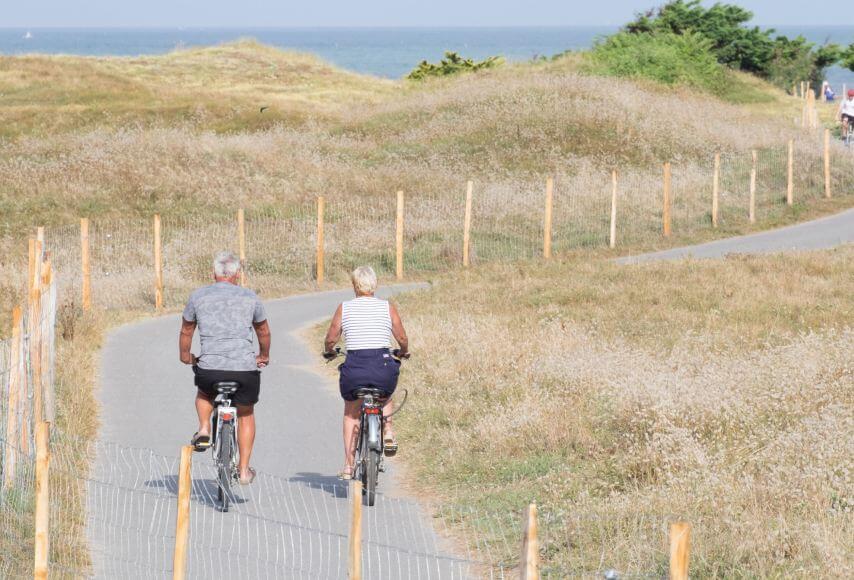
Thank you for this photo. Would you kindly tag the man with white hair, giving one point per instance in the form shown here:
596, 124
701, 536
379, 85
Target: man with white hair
227, 316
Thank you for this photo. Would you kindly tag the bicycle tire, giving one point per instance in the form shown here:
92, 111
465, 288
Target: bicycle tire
224, 461
372, 468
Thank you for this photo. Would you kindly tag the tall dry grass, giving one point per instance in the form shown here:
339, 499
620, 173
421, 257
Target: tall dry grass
183, 133
617, 397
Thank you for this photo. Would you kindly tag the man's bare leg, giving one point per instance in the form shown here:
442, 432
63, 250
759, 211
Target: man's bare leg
204, 408
245, 437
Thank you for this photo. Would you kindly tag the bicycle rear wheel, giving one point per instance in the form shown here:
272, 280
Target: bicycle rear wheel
372, 469
224, 462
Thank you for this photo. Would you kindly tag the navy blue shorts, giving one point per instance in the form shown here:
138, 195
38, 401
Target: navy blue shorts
369, 368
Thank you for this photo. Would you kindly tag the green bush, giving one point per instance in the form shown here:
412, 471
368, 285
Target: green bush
452, 64
777, 58
664, 57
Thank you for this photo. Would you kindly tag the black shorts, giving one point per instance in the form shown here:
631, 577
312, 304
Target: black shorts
246, 394
374, 368
849, 117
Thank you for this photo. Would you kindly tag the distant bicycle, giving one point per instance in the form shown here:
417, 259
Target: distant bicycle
224, 441
848, 138
369, 447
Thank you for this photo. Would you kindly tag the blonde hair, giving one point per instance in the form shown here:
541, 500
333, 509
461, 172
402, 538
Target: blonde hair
364, 280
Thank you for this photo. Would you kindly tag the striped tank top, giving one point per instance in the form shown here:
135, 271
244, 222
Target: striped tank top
366, 323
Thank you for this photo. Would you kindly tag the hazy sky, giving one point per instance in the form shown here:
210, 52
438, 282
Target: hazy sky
244, 13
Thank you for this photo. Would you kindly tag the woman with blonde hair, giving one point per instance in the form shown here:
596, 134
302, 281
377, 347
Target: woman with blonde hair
367, 324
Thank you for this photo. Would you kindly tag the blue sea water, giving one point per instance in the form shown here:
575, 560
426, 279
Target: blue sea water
385, 52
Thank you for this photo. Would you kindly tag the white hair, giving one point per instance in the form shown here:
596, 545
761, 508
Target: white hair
226, 265
364, 280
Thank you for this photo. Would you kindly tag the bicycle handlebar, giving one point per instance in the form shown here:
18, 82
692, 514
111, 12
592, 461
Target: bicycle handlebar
332, 355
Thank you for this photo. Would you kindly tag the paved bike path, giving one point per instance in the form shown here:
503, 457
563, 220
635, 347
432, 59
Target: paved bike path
822, 233
296, 509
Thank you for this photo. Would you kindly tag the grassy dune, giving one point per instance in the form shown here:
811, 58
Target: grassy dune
184, 132
718, 391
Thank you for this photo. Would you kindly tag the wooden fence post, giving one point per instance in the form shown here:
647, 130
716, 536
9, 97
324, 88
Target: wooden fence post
398, 238
241, 243
10, 457
827, 192
48, 345
42, 515
716, 189
790, 174
547, 219
158, 264
665, 214
680, 548
34, 329
182, 523
354, 562
467, 224
86, 297
751, 212
529, 568
319, 260
612, 242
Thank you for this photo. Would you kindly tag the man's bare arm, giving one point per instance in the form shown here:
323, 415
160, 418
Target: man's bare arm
333, 335
398, 331
185, 341
262, 331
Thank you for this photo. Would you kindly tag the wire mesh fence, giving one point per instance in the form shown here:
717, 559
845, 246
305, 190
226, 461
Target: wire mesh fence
281, 247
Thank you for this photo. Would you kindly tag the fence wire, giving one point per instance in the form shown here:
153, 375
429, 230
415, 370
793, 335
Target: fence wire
507, 223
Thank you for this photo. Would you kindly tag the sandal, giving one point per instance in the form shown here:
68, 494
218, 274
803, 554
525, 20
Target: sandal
249, 480
200, 442
390, 445
346, 474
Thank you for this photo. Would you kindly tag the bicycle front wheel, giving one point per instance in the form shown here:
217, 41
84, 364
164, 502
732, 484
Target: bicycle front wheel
224, 462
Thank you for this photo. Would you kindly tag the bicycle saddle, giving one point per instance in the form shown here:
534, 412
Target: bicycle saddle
226, 387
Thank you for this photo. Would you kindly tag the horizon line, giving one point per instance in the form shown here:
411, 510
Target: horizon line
351, 27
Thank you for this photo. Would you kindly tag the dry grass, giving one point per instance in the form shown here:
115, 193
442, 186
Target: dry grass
719, 391
183, 132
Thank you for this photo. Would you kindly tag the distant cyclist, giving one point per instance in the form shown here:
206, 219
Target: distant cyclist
846, 112
228, 318
367, 324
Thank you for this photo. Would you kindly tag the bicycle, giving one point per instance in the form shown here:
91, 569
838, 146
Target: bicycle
224, 440
368, 462
848, 138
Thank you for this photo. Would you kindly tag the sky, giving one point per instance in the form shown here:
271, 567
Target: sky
282, 13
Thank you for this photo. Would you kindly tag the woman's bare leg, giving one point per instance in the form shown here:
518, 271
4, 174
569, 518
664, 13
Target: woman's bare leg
351, 431
388, 409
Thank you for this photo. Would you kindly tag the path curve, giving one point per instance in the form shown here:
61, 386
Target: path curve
146, 399
822, 233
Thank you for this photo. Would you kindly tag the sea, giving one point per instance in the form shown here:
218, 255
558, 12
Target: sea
383, 52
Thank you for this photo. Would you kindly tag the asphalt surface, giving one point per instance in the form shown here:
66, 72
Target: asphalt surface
827, 232
293, 521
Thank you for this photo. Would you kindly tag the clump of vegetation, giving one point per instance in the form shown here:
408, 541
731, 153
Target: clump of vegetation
667, 58
734, 44
452, 64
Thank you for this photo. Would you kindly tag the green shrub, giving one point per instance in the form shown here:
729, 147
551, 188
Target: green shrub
664, 57
452, 64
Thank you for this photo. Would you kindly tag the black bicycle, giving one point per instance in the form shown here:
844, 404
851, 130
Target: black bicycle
370, 446
224, 440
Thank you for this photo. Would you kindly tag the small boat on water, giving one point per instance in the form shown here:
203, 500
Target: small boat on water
28, 35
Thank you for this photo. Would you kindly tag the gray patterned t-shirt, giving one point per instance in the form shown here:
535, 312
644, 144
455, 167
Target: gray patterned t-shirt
224, 314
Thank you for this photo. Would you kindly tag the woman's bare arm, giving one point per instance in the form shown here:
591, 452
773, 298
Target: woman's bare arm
333, 335
398, 331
